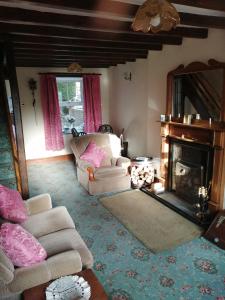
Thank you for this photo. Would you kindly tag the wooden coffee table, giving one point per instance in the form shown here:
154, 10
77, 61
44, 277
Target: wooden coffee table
97, 290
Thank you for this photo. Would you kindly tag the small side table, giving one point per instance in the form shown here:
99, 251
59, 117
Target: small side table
142, 172
97, 290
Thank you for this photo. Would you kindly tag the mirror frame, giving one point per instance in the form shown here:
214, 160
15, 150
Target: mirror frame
193, 68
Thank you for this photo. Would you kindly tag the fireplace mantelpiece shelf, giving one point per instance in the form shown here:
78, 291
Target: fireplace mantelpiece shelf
204, 125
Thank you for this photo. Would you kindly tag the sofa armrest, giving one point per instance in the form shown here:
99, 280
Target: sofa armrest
123, 162
6, 268
38, 204
65, 263
87, 167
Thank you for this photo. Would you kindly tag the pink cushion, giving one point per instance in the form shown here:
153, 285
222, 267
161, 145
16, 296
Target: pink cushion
20, 246
93, 154
12, 206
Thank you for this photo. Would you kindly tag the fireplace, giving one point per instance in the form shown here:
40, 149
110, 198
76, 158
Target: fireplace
192, 156
190, 167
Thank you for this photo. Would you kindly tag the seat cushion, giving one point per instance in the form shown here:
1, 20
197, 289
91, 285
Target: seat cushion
49, 221
103, 172
65, 240
59, 265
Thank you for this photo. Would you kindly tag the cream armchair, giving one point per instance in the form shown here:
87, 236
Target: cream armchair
66, 251
112, 175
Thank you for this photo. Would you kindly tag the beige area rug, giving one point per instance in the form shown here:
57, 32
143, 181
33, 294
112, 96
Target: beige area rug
158, 227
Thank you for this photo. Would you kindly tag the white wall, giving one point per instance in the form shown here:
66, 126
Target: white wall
34, 131
137, 105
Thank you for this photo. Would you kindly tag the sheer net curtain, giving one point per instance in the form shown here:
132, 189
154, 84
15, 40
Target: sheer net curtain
92, 103
51, 113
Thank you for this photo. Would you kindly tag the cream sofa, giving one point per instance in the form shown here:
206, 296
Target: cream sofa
55, 230
112, 175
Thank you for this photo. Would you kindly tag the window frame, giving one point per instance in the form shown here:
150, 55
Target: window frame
73, 103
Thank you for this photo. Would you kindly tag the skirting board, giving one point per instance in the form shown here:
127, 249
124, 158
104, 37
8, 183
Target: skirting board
50, 159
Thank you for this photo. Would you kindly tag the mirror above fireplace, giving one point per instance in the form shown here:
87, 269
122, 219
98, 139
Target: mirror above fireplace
197, 89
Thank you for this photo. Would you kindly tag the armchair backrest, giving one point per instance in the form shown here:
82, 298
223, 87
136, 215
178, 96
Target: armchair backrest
110, 143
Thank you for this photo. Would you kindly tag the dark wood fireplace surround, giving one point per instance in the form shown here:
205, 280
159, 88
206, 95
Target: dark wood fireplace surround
199, 131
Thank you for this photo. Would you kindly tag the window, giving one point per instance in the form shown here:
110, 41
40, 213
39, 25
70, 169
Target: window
70, 93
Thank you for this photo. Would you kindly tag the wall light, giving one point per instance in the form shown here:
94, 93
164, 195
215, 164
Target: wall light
127, 76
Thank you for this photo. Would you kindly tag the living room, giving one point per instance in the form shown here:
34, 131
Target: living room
133, 96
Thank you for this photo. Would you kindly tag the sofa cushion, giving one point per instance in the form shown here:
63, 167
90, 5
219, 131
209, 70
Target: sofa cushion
62, 264
12, 206
49, 221
104, 172
20, 246
65, 240
93, 154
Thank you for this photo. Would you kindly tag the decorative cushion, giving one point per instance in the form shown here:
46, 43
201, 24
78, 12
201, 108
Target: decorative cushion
20, 246
93, 154
12, 206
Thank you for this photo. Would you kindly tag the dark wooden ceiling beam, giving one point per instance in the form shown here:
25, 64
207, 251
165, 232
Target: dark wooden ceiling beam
66, 64
60, 49
81, 59
74, 55
99, 35
57, 19
191, 32
77, 21
208, 4
202, 20
59, 65
19, 38
77, 59
121, 8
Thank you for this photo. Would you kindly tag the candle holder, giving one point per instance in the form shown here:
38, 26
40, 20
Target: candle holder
202, 206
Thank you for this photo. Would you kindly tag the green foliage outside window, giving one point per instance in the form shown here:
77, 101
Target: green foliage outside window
67, 90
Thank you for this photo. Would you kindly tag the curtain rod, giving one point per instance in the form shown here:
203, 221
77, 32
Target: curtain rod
68, 74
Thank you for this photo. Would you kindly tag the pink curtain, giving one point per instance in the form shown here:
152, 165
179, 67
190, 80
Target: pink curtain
51, 112
92, 103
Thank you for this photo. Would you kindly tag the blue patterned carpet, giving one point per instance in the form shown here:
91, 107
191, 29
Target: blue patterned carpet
123, 265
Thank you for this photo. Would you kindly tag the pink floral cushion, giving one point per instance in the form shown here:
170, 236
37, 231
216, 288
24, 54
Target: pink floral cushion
93, 154
20, 246
12, 206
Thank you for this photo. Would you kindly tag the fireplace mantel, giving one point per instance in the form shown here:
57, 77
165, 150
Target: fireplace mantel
213, 136
203, 131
